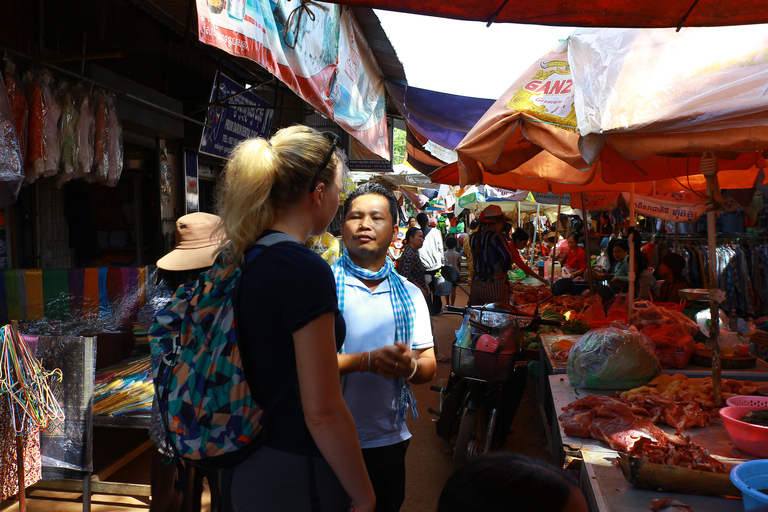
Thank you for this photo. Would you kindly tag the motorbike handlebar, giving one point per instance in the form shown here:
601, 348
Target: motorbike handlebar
453, 309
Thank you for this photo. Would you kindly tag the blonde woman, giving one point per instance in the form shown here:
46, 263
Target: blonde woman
290, 327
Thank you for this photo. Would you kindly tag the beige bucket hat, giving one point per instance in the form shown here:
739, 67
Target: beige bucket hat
196, 243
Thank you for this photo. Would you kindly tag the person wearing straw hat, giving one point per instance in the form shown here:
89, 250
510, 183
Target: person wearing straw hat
195, 252
196, 243
491, 258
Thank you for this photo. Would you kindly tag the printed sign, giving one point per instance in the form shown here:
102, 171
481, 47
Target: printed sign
550, 198
228, 125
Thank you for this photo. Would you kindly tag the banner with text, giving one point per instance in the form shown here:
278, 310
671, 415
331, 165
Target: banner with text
317, 49
682, 207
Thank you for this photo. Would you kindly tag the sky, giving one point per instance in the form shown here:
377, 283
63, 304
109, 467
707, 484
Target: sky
466, 58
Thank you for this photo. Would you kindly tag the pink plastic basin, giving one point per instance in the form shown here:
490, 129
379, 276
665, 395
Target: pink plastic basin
749, 438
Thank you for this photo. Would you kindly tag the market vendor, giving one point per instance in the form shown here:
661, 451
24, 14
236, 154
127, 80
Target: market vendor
492, 259
576, 260
671, 271
620, 280
519, 242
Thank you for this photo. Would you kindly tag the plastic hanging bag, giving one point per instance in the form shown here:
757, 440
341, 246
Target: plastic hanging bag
84, 157
11, 168
52, 155
612, 358
18, 102
100, 128
673, 344
36, 137
67, 129
646, 314
114, 144
464, 334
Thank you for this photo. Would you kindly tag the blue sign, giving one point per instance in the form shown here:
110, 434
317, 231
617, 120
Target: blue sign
228, 125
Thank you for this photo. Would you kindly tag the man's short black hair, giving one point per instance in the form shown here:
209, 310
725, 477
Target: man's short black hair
373, 188
450, 242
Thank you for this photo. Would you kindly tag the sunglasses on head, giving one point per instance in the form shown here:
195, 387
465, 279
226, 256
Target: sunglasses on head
335, 143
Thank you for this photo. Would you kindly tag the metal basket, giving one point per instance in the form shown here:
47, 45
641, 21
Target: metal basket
478, 364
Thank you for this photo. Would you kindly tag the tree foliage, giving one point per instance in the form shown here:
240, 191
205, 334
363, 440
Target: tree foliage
398, 146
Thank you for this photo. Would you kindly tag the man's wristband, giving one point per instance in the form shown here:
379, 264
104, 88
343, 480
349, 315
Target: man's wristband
362, 362
415, 367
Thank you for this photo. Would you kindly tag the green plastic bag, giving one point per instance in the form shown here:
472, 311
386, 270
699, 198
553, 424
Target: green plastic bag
612, 358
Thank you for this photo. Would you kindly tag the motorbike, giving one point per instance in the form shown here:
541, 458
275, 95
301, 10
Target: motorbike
488, 374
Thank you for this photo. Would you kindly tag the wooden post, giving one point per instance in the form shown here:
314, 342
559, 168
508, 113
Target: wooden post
709, 170
588, 275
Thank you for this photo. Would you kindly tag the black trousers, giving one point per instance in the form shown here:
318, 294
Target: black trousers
165, 498
435, 302
386, 469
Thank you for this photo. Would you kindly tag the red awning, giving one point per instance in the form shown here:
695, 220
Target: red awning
578, 13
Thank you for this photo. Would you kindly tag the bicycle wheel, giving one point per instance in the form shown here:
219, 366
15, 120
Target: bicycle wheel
475, 432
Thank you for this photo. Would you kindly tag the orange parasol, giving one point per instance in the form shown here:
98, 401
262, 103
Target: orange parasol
612, 107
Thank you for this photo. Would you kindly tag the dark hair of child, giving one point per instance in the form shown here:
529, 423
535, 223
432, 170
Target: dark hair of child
505, 482
450, 242
520, 235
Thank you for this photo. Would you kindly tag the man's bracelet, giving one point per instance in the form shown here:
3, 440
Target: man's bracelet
415, 367
362, 361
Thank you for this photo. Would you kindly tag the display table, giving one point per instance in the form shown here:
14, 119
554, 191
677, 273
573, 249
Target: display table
549, 412
603, 483
606, 490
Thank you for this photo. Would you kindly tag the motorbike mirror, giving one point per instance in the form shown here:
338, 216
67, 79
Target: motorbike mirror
451, 275
562, 286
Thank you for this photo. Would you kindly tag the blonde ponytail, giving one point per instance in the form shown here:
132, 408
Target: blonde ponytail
263, 176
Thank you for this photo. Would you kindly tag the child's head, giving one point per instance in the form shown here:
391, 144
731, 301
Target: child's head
504, 482
450, 242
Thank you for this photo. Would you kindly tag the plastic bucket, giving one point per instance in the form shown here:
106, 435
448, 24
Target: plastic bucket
442, 286
750, 477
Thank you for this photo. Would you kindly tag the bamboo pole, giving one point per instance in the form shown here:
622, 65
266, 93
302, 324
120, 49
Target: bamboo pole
632, 274
586, 243
557, 235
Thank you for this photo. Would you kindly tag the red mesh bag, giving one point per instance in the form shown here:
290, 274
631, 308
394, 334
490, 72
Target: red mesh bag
673, 344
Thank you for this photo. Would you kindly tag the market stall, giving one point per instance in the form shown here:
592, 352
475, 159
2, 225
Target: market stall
602, 481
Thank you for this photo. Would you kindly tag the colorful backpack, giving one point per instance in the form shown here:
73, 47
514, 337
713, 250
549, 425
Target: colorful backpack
210, 416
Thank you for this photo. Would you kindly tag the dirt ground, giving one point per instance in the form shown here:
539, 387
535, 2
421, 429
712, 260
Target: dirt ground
428, 461
429, 458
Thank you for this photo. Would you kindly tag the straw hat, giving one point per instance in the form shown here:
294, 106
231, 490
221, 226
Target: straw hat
196, 245
492, 213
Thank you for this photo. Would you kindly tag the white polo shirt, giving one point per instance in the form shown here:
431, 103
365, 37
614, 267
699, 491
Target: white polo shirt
371, 398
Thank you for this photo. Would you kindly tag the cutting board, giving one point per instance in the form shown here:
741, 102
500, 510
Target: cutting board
704, 358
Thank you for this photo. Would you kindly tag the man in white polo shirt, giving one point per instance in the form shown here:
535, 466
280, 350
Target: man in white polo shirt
388, 342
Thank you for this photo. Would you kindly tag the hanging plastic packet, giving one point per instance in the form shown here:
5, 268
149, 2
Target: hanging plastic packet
52, 155
11, 168
114, 144
67, 129
100, 127
35, 165
18, 103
